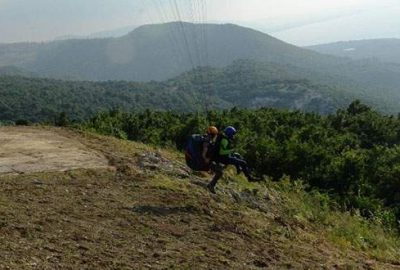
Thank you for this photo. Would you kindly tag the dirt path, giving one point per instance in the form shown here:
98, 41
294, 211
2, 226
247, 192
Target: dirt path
28, 149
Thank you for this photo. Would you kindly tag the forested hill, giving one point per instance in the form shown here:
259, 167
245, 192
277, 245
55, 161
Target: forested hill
242, 84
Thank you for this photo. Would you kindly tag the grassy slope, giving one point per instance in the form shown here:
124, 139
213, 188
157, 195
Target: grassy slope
149, 213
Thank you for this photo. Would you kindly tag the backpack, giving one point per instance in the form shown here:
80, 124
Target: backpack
193, 152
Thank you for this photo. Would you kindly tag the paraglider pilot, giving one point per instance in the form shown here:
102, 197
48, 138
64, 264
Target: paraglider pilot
224, 155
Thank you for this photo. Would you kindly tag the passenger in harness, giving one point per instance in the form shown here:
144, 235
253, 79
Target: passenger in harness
200, 149
225, 155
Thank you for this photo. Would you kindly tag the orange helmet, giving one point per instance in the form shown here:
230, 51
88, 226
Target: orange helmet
212, 130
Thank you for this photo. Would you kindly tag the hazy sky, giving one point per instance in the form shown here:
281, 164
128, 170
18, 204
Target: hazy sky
301, 22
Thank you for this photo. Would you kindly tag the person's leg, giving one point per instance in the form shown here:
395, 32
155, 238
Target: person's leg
219, 171
238, 163
238, 168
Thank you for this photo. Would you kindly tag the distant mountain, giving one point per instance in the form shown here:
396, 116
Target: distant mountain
152, 52
13, 71
114, 33
118, 32
160, 52
385, 50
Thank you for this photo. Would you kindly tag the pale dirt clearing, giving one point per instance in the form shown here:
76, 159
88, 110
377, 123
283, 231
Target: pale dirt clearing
35, 149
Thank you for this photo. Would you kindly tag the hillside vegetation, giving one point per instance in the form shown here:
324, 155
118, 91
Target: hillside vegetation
151, 213
352, 155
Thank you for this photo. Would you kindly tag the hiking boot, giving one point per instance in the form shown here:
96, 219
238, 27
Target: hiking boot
211, 188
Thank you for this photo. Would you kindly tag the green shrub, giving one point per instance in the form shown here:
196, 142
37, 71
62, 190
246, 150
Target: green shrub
352, 155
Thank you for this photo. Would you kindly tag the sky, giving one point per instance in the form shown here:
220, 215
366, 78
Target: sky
300, 22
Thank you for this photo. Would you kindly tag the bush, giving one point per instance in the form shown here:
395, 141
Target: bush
352, 155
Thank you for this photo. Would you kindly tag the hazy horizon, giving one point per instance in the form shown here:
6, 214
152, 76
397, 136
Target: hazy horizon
301, 23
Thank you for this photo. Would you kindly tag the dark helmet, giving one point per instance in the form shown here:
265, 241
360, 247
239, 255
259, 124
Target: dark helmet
230, 132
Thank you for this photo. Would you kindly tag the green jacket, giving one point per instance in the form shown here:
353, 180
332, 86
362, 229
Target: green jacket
225, 148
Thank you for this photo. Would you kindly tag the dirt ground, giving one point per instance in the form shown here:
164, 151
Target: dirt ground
27, 150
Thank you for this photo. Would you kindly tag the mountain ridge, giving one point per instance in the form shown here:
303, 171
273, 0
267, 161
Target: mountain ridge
385, 49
